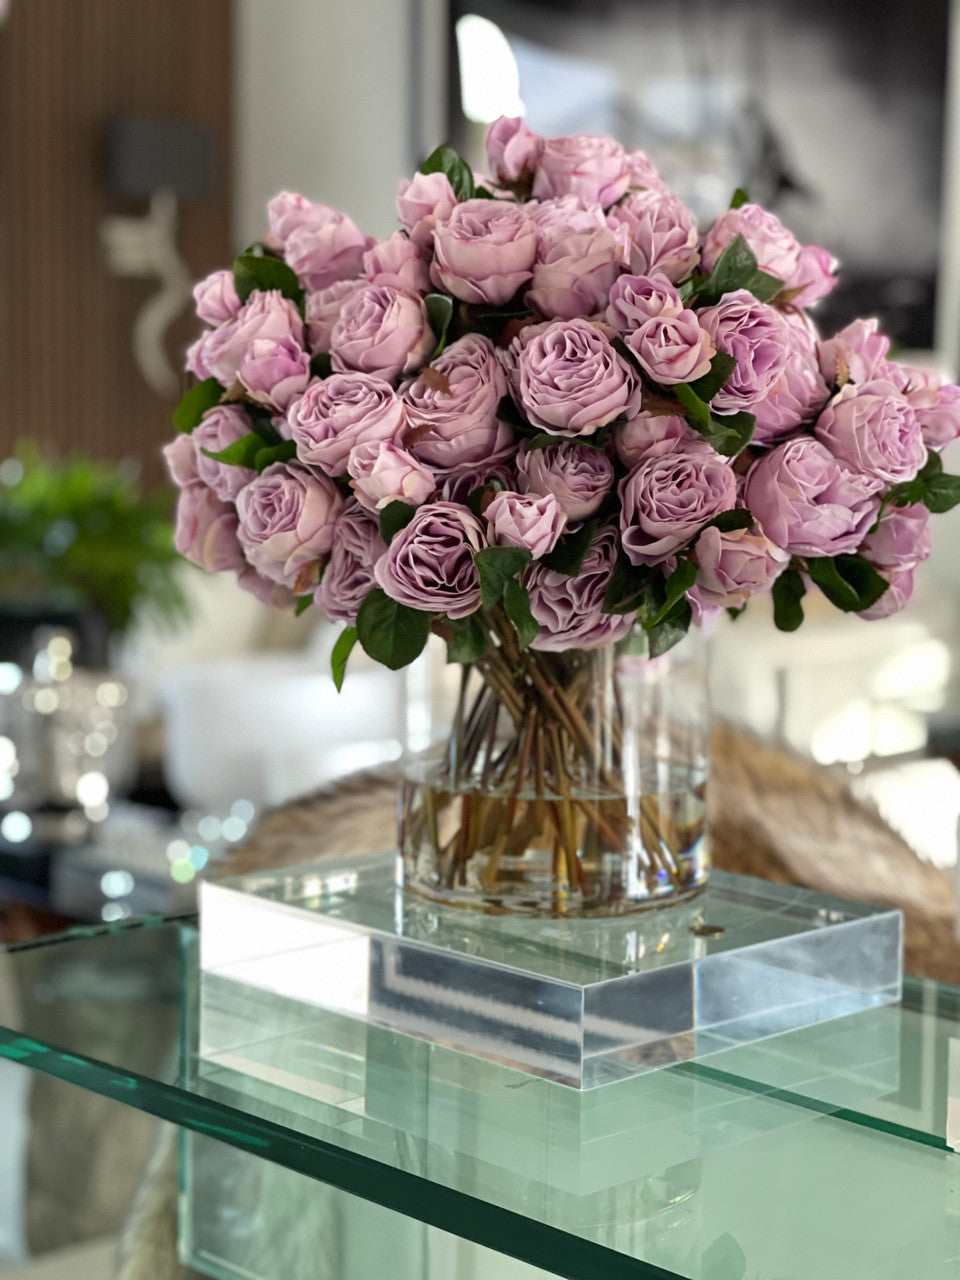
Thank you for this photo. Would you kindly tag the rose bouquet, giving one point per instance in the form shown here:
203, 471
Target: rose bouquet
549, 417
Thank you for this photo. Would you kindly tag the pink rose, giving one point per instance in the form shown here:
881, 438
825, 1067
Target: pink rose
776, 248
648, 436
274, 371
901, 539
642, 172
873, 429
570, 610
459, 426
180, 455
484, 251
815, 275
219, 427
574, 272
672, 348
398, 262
732, 567
667, 499
636, 299
512, 150
287, 518
323, 311
288, 212
422, 202
348, 577
381, 330
329, 249
381, 473
663, 234
344, 410
195, 361
272, 594
592, 168
579, 477
935, 402
216, 298
526, 520
799, 394
758, 337
855, 354
568, 379
896, 597
265, 314
567, 213
457, 484
807, 501
429, 564
206, 530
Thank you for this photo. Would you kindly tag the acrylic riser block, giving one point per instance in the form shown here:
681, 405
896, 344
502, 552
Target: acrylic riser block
580, 1001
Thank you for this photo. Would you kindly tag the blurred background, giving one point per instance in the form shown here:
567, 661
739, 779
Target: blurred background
149, 712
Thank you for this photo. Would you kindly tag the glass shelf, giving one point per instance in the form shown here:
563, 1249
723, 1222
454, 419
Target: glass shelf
819, 1153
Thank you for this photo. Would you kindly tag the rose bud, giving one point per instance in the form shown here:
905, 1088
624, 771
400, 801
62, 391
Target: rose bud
855, 354
672, 348
429, 564
512, 150
287, 518
216, 298
636, 299
422, 202
180, 455
381, 473
526, 520
344, 410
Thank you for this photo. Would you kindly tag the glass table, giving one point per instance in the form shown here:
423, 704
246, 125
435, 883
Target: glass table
820, 1154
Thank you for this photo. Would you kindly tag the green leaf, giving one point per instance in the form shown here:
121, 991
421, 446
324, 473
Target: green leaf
543, 440
626, 586
690, 288
321, 365
516, 601
849, 582
195, 403
788, 591
671, 629
764, 286
729, 521
627, 355
285, 451
467, 641
697, 411
739, 198
675, 589
570, 552
942, 493
446, 160
393, 517
251, 272
390, 632
439, 312
735, 268
734, 613
341, 652
302, 605
250, 451
496, 565
721, 367
728, 433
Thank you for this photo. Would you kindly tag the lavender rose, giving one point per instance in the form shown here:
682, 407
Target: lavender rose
647, 436
566, 213
484, 251
265, 314
274, 371
289, 211
776, 248
382, 472
219, 427
457, 484
672, 348
429, 564
381, 330
459, 426
206, 529
636, 299
344, 410
808, 502
896, 597
272, 594
570, 610
180, 455
667, 499
323, 309
568, 379
814, 277
643, 173
578, 476
935, 402
574, 272
663, 234
855, 354
398, 262
592, 168
348, 577
526, 520
329, 248
287, 518
758, 337
216, 298
873, 429
798, 396
512, 150
732, 567
422, 202
901, 539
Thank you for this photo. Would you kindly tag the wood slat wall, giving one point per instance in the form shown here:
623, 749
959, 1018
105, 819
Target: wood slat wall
67, 375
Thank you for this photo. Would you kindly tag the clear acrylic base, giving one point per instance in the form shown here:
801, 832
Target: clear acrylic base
579, 1001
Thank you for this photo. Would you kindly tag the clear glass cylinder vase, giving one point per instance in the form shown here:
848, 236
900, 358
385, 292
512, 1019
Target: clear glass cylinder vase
561, 784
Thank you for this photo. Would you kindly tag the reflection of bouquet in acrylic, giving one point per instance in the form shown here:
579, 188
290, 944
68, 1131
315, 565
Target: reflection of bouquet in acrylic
549, 416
